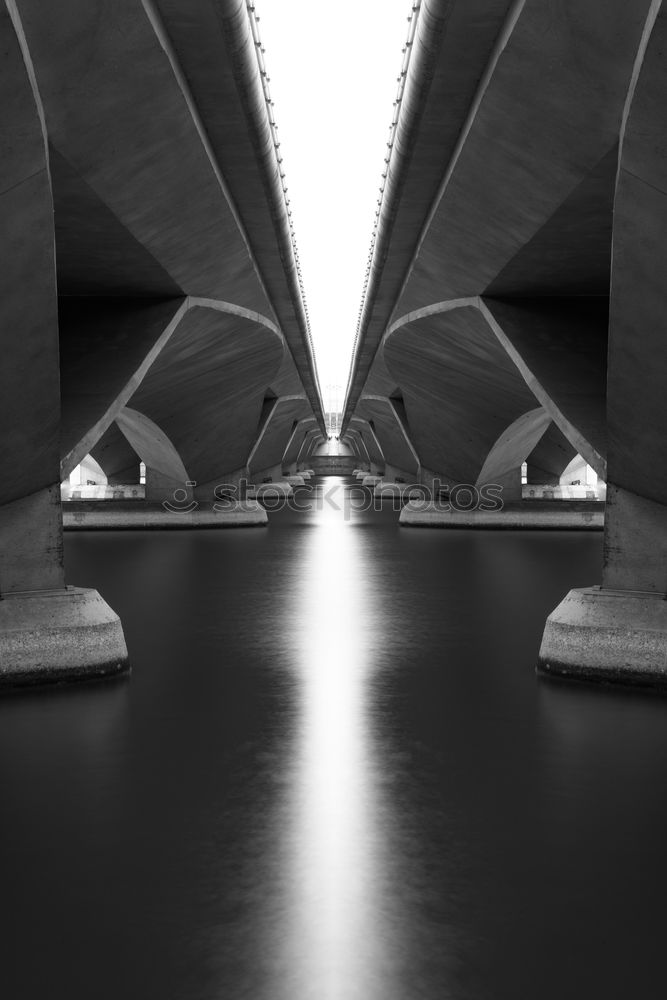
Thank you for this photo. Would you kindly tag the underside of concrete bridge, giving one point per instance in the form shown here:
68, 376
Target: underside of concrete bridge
514, 303
152, 308
512, 317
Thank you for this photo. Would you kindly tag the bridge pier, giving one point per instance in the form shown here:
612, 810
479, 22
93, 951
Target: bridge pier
619, 631
48, 631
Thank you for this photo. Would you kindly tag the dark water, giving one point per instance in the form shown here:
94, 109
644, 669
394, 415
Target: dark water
333, 775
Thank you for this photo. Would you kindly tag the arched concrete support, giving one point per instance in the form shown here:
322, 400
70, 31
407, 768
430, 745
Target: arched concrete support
47, 631
165, 472
361, 448
503, 463
619, 632
296, 440
306, 446
464, 383
107, 346
549, 459
353, 442
391, 427
202, 382
371, 443
313, 444
116, 456
268, 450
560, 347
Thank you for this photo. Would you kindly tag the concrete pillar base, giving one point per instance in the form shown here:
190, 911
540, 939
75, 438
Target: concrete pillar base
607, 635
49, 636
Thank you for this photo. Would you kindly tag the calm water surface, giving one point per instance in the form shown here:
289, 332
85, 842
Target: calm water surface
333, 775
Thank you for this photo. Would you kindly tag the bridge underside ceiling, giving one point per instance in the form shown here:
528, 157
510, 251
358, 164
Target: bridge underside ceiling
131, 165
542, 140
166, 186
525, 199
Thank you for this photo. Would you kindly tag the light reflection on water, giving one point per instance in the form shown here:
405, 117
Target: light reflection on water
335, 920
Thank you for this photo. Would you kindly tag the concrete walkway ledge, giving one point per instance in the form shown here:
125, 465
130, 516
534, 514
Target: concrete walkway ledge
568, 517
112, 516
52, 636
612, 636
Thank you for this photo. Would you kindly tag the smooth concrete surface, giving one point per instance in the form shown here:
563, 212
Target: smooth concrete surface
371, 480
29, 385
59, 635
635, 549
121, 119
31, 546
296, 480
562, 517
103, 516
607, 635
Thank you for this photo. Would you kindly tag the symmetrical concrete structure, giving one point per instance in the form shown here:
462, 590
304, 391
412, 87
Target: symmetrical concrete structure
515, 303
152, 308
151, 299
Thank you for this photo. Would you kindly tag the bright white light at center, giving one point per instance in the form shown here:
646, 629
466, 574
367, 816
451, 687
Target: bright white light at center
333, 70
336, 935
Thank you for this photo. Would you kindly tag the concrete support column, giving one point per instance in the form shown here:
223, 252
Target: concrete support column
618, 632
47, 631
